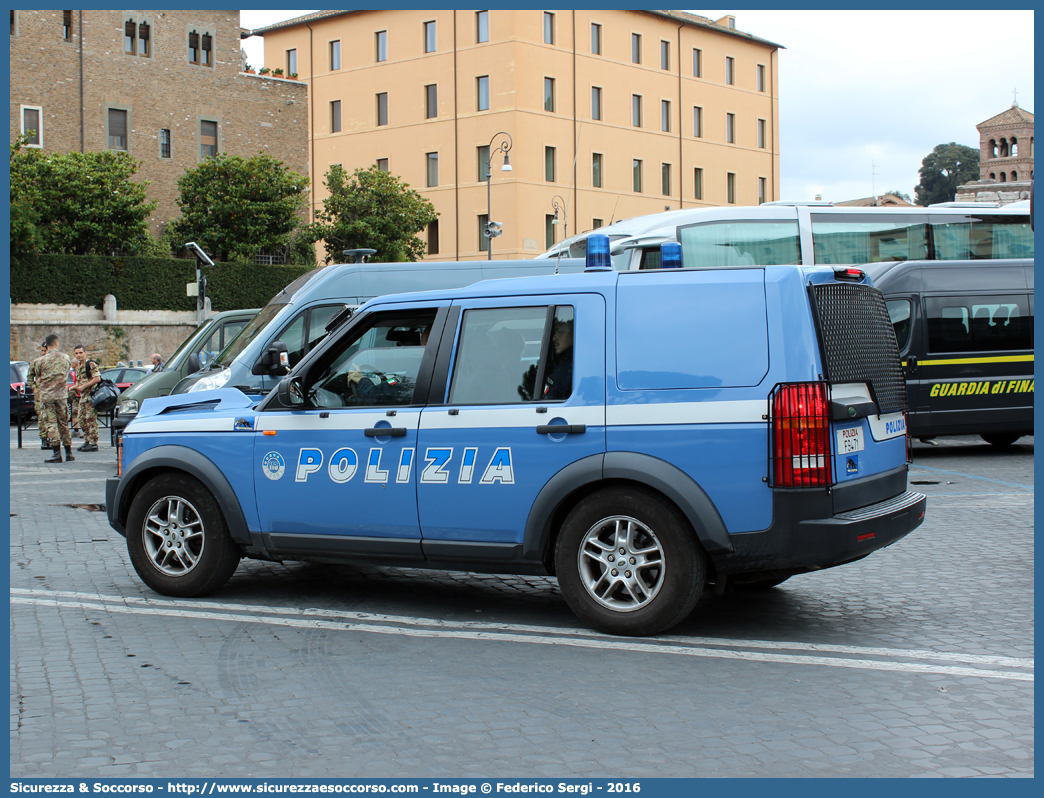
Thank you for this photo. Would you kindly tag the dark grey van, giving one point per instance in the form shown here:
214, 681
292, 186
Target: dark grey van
965, 335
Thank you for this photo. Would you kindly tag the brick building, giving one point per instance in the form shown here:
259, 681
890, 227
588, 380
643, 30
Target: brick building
1005, 159
168, 87
607, 114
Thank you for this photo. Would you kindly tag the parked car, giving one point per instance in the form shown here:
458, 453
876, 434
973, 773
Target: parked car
19, 394
124, 377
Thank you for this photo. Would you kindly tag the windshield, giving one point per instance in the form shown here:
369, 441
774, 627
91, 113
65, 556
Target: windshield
248, 334
182, 351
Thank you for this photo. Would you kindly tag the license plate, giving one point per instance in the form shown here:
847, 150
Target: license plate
850, 440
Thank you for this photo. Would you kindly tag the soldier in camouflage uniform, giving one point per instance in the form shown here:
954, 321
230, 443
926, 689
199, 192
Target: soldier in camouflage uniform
54, 368
88, 375
31, 385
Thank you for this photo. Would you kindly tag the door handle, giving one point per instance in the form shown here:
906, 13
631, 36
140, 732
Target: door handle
561, 429
385, 432
911, 364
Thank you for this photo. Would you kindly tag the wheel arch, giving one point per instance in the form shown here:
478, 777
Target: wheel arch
172, 459
580, 479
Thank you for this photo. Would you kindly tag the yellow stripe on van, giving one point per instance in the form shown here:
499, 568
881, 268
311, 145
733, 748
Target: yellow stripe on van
961, 361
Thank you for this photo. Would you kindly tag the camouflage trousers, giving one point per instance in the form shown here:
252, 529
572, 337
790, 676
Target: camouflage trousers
88, 417
55, 419
38, 407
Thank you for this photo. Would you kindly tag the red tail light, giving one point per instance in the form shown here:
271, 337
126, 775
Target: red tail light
801, 453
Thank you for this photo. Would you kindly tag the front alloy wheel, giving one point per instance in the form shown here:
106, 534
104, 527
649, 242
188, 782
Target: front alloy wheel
174, 536
621, 563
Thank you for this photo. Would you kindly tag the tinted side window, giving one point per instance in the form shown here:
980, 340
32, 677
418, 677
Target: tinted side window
981, 238
499, 359
979, 324
716, 245
318, 319
900, 314
868, 239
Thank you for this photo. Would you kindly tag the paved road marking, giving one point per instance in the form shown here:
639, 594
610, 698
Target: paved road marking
541, 635
917, 467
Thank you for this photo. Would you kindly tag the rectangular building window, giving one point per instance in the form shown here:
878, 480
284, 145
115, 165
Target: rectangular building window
596, 170
761, 134
636, 110
636, 48
697, 63
730, 188
193, 48
130, 37
549, 28
144, 40
31, 117
596, 102
335, 55
596, 39
431, 101
730, 70
636, 170
382, 164
433, 237
549, 231
762, 189
432, 160
483, 163
291, 62
67, 25
381, 45
665, 179
665, 116
596, 223
665, 55
208, 138
117, 129
697, 122
482, 88
483, 239
382, 108
730, 128
481, 26
697, 183
761, 77
335, 116
206, 50
164, 142
549, 94
429, 37
549, 164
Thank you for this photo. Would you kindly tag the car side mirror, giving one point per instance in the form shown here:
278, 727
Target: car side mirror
275, 361
289, 392
194, 364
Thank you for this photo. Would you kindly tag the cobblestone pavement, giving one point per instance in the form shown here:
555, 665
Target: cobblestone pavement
914, 662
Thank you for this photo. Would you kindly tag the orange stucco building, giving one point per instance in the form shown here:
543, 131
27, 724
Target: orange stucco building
605, 113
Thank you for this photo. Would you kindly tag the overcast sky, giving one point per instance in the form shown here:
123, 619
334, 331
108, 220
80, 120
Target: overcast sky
865, 95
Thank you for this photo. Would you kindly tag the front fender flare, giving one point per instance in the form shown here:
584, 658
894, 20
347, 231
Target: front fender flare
181, 458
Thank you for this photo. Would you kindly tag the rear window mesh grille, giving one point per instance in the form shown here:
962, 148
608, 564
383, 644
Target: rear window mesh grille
859, 341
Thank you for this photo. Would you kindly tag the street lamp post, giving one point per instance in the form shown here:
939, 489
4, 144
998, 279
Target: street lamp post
559, 205
493, 228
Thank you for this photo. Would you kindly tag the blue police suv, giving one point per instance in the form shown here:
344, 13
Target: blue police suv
639, 435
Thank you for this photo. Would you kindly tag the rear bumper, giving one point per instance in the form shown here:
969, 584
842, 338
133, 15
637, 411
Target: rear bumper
796, 545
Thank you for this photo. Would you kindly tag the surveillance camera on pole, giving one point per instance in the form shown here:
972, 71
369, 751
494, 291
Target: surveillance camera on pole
202, 259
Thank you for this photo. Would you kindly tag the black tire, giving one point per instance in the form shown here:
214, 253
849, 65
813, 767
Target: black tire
178, 539
1001, 438
647, 599
760, 585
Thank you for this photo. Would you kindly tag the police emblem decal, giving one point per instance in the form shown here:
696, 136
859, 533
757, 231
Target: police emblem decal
273, 466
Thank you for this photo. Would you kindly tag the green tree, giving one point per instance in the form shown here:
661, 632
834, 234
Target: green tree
372, 208
943, 170
78, 203
901, 195
236, 207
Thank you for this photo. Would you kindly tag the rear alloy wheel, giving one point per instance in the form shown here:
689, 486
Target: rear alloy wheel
628, 562
1001, 438
177, 538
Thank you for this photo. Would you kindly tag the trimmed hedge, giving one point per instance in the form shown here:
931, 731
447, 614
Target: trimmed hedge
144, 283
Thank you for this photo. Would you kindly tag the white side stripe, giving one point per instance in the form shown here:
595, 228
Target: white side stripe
174, 424
749, 411
511, 417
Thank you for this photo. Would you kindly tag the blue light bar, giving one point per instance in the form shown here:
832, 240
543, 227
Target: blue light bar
670, 255
598, 259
